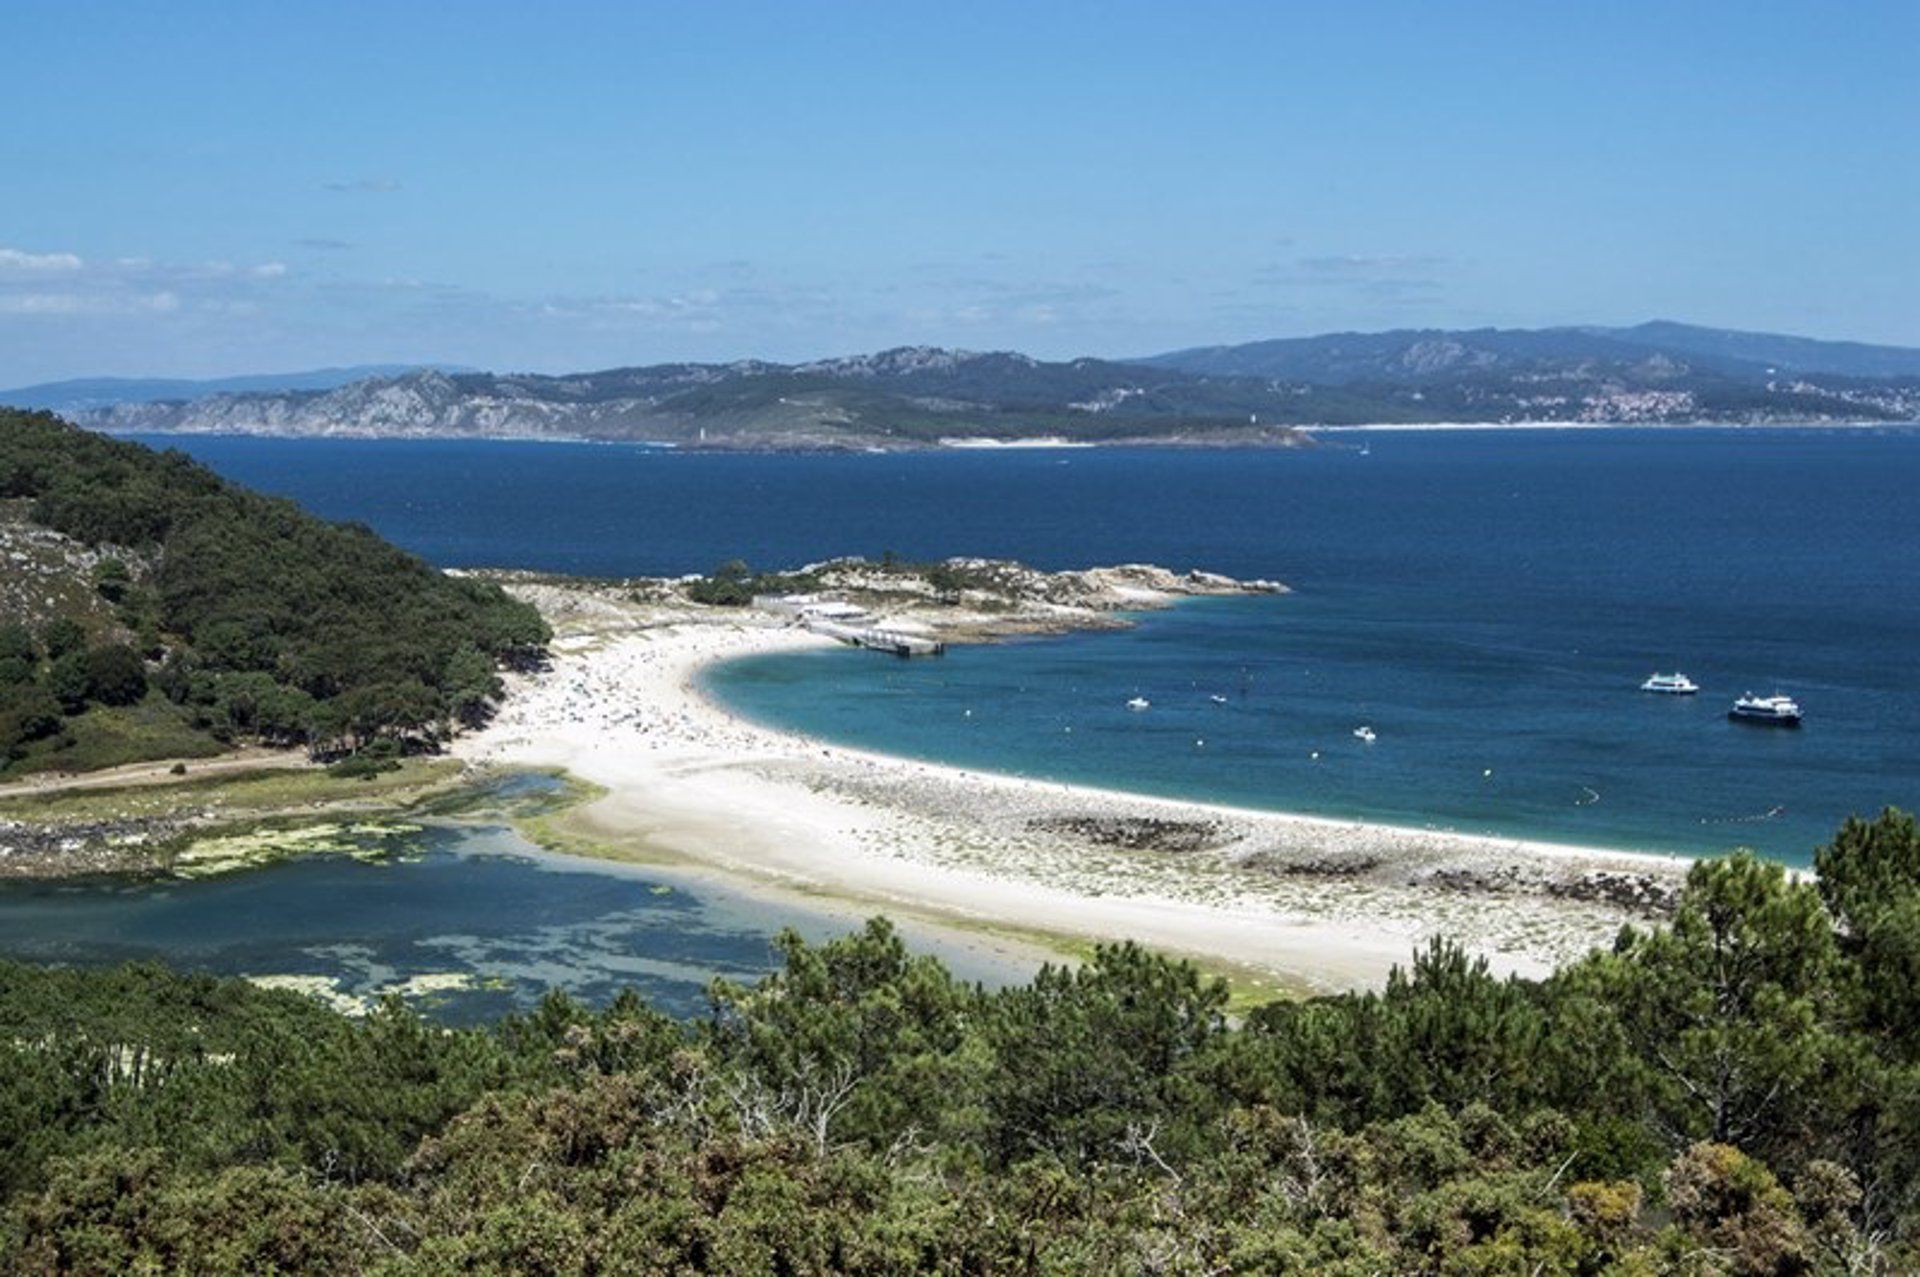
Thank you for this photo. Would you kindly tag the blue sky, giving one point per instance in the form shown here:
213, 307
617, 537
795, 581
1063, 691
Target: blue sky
198, 189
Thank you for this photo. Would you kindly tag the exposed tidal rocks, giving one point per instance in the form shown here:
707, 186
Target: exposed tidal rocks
1332, 865
1639, 894
1139, 833
1635, 894
32, 850
227, 814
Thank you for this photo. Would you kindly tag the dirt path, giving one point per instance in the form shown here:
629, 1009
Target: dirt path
155, 773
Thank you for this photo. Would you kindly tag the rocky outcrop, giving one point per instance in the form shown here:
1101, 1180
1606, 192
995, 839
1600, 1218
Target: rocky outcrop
45, 575
960, 600
1006, 584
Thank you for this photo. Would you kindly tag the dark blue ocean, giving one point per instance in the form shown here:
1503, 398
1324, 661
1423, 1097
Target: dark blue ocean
1487, 602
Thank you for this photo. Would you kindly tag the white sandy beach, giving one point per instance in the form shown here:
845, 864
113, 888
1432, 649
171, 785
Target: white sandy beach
1317, 903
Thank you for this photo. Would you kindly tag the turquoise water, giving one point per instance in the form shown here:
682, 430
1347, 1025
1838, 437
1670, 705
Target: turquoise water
1545, 743
1485, 601
474, 902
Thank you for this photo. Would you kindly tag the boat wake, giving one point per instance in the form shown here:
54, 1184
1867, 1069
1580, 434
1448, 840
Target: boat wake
1772, 813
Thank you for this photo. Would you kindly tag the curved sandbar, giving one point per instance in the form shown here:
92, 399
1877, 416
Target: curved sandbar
1318, 903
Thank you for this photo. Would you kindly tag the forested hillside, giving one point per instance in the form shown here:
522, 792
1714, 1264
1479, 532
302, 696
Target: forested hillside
1736, 1094
152, 608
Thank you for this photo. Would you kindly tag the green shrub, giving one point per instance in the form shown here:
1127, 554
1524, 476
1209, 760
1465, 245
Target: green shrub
362, 767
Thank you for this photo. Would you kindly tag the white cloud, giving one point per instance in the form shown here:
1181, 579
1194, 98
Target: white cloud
15, 259
48, 286
88, 303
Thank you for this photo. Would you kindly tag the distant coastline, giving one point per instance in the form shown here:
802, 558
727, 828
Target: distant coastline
1302, 436
905, 397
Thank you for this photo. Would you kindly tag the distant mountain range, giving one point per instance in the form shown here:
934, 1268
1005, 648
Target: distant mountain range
917, 396
88, 393
910, 397
1645, 352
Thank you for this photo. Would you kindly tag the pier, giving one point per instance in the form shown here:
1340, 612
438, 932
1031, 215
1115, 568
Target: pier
878, 639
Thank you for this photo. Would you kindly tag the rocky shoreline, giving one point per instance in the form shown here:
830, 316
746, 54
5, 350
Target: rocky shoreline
958, 600
86, 825
30, 849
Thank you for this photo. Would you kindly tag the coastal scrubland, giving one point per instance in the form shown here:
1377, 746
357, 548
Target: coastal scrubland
1590, 1063
1737, 1092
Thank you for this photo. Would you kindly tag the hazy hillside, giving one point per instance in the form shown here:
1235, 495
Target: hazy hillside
87, 393
920, 396
1781, 354
1650, 352
1652, 373
898, 398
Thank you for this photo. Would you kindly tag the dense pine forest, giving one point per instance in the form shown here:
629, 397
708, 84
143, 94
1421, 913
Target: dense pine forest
1737, 1093
176, 612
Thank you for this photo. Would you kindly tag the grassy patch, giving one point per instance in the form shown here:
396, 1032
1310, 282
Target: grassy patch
515, 795
156, 728
235, 793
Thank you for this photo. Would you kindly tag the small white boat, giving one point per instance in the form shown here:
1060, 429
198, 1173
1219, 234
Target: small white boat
1217, 699
1776, 710
1138, 702
1366, 734
1674, 684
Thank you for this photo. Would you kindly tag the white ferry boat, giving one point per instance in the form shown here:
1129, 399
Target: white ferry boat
1674, 684
1777, 710
1138, 703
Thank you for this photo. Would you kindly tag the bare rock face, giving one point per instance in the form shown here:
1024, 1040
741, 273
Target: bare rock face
1003, 584
44, 574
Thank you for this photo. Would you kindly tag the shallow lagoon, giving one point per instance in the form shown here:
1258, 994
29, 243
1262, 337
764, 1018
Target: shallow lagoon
469, 921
